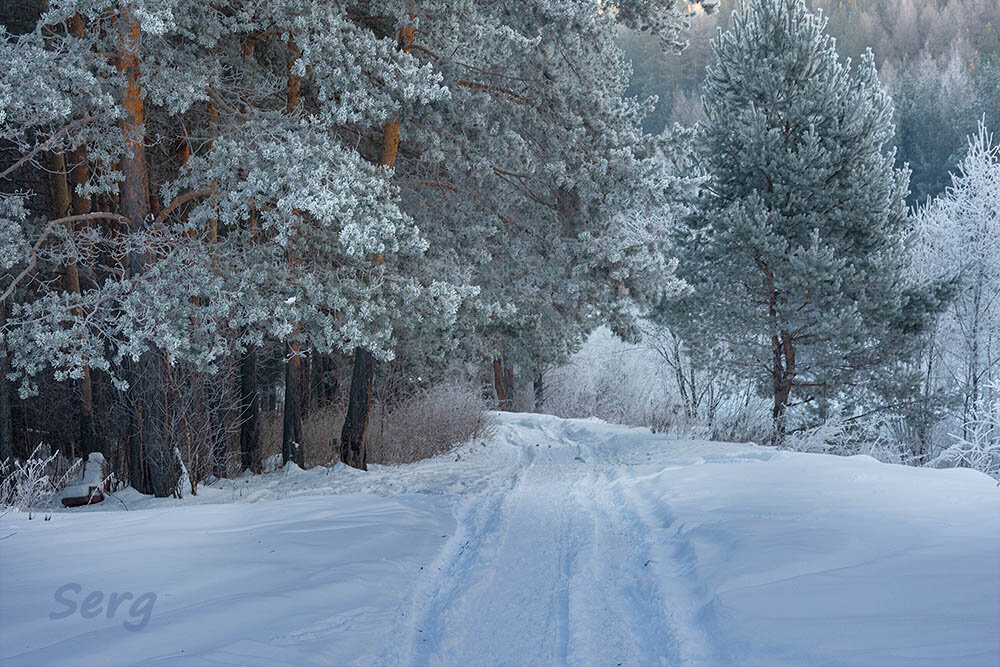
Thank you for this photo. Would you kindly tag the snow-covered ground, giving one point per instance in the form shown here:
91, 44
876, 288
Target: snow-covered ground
554, 542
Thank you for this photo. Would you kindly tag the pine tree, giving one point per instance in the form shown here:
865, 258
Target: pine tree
794, 250
218, 209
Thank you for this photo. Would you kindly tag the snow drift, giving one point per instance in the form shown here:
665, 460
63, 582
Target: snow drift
555, 542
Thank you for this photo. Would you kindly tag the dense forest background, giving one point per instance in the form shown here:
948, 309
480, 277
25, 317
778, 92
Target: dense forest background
938, 58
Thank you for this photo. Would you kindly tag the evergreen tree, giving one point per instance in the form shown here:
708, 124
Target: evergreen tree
794, 250
315, 178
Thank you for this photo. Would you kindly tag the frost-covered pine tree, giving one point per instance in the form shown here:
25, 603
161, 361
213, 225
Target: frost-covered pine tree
317, 178
261, 216
535, 116
529, 187
795, 250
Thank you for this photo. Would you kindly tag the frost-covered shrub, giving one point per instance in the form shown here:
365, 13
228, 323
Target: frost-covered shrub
741, 416
639, 385
614, 381
979, 448
33, 483
428, 423
885, 437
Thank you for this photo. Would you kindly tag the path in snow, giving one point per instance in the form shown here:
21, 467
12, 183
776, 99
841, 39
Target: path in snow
558, 566
555, 542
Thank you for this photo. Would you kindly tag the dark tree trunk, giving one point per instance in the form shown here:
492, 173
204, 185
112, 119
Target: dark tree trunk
6, 432
64, 203
508, 380
782, 375
503, 384
539, 387
249, 412
79, 175
354, 437
272, 397
325, 379
291, 434
220, 446
146, 438
307, 380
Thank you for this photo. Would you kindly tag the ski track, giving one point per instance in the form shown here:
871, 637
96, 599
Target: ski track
559, 561
555, 542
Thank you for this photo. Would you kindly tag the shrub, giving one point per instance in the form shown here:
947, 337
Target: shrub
428, 423
33, 483
979, 448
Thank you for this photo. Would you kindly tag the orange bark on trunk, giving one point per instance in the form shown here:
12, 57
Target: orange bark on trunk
354, 435
144, 378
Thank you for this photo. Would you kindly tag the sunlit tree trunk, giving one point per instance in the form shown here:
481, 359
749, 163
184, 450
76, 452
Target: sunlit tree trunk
145, 379
503, 383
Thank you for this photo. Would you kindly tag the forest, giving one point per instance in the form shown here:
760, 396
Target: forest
500, 332
241, 234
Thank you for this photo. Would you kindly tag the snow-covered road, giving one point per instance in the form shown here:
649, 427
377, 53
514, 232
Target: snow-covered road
555, 542
557, 567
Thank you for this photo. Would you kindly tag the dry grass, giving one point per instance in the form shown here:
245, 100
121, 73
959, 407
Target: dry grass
417, 427
428, 424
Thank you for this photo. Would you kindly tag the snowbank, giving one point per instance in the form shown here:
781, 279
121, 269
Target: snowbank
556, 542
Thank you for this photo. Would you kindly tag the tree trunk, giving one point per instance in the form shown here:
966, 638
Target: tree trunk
6, 434
499, 385
307, 380
782, 374
539, 386
354, 437
64, 203
217, 416
972, 375
249, 412
79, 175
924, 429
508, 381
291, 434
145, 377
294, 83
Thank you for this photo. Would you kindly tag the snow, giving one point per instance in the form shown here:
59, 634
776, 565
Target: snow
553, 542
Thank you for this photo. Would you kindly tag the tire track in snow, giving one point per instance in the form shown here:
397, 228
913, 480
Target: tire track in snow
478, 520
620, 597
673, 562
563, 561
506, 600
